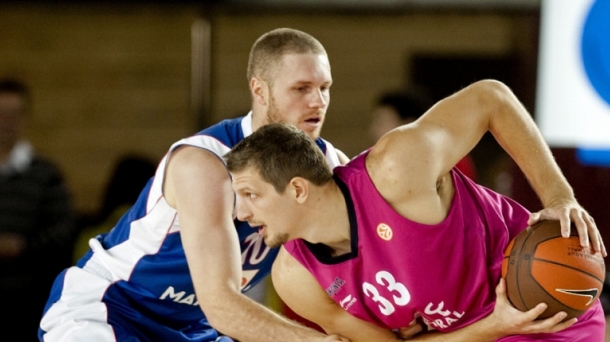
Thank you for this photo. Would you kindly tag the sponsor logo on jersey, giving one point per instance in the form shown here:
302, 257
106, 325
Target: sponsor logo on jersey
438, 317
385, 232
347, 302
179, 297
335, 286
254, 249
254, 252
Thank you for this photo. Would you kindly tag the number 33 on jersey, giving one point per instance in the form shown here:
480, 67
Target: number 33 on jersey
387, 296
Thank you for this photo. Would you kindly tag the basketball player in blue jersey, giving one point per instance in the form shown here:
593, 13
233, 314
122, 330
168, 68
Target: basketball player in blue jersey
174, 268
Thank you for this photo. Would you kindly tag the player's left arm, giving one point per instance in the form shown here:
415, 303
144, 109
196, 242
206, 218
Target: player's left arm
452, 127
302, 293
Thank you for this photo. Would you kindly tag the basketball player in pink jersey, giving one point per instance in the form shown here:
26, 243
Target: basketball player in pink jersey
399, 235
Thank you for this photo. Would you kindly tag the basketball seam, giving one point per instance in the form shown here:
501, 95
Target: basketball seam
521, 251
518, 268
570, 267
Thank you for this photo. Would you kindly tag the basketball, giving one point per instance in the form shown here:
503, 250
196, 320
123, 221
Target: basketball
541, 266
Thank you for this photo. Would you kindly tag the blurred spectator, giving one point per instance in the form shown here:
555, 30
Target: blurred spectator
36, 219
130, 175
394, 109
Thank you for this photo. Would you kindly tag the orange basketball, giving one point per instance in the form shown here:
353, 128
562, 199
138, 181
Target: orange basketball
541, 266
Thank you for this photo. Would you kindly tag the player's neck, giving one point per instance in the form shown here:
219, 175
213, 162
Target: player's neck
330, 221
259, 116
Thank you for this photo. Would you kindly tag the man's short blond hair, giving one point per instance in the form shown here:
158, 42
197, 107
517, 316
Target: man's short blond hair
267, 51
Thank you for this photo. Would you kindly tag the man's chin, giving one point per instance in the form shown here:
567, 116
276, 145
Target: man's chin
271, 243
274, 242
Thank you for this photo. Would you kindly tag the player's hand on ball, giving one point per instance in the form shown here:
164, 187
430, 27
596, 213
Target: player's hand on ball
510, 321
567, 212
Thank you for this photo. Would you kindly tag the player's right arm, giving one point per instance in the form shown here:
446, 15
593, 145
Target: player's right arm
198, 186
302, 293
429, 148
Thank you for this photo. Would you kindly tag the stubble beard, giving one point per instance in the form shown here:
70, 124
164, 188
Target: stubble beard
276, 240
273, 116
272, 112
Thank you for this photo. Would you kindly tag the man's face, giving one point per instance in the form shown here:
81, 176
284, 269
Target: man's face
300, 92
12, 111
259, 204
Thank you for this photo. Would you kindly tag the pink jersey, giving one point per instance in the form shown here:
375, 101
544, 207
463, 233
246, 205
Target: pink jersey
399, 269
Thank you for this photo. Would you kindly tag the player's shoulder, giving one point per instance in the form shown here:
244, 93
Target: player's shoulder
413, 143
401, 162
217, 139
193, 157
286, 267
191, 167
228, 131
284, 260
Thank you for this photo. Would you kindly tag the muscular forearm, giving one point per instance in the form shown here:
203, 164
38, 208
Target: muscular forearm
517, 133
244, 319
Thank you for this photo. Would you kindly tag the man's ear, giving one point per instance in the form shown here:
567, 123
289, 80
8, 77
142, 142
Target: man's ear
259, 90
300, 189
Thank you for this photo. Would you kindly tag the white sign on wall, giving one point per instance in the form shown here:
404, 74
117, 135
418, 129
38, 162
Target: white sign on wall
573, 90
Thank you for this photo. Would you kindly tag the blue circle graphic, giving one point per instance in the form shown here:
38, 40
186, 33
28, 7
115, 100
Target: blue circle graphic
595, 47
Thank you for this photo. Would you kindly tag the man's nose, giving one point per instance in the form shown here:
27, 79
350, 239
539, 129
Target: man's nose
319, 99
243, 214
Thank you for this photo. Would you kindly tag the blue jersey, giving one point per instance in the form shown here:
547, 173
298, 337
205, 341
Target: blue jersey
135, 279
